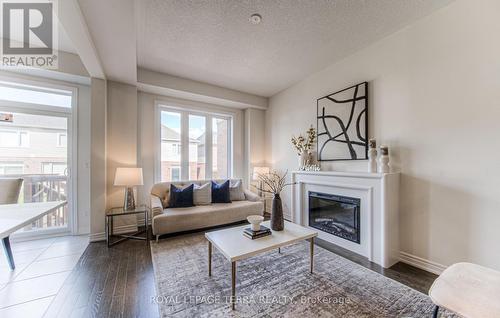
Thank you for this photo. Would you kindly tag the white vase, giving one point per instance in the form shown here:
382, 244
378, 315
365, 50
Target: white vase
372, 160
303, 158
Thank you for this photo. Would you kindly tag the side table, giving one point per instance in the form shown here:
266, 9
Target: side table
114, 212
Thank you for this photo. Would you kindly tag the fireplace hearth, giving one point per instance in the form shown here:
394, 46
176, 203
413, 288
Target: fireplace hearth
371, 202
335, 214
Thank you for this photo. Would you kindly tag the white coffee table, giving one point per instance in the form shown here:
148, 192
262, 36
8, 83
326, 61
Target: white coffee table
234, 246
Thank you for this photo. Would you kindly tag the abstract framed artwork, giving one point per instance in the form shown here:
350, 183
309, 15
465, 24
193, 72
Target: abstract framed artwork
342, 124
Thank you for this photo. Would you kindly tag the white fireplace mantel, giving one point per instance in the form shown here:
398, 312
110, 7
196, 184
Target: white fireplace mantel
379, 210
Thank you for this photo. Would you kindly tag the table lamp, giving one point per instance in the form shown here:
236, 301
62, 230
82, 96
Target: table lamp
260, 171
128, 177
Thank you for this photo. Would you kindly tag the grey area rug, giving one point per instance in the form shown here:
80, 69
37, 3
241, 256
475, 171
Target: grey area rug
275, 285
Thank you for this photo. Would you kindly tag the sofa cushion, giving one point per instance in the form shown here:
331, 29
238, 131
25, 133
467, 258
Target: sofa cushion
214, 207
220, 192
236, 190
203, 216
162, 189
202, 194
181, 197
163, 194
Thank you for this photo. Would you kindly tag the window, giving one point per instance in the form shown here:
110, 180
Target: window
35, 95
10, 168
220, 168
176, 150
62, 140
170, 146
194, 146
13, 138
175, 173
197, 153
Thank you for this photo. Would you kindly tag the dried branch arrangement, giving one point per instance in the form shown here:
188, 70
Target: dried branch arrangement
273, 182
302, 143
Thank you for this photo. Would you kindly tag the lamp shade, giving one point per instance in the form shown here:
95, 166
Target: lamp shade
259, 170
128, 177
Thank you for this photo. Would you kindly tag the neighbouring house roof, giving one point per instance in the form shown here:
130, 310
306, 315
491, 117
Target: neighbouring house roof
168, 134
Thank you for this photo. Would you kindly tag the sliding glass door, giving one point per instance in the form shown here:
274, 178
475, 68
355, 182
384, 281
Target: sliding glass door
36, 142
35, 148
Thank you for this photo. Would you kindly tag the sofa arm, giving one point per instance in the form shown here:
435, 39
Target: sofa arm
250, 196
156, 206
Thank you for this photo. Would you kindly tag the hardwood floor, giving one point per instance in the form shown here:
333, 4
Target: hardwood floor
109, 282
408, 275
119, 281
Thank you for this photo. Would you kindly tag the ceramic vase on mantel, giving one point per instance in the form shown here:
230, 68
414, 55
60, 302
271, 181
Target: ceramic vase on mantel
303, 158
277, 220
372, 155
384, 160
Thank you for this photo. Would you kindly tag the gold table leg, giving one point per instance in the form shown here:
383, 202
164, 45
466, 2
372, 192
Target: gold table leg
312, 253
209, 258
233, 284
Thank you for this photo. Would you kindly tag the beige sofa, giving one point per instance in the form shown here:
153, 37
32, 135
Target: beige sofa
171, 220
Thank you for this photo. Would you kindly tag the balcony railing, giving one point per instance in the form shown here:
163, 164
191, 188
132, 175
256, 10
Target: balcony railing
45, 188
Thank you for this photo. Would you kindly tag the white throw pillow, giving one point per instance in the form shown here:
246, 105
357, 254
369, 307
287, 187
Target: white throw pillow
202, 194
236, 190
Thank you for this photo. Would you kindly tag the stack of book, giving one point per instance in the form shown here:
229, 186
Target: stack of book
264, 231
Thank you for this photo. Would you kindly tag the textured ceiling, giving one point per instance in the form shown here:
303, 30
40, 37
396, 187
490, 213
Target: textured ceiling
214, 42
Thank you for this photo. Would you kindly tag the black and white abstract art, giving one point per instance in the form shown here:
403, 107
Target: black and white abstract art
343, 124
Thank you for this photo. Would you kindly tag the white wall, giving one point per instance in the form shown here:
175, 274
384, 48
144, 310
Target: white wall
121, 136
84, 151
70, 69
178, 87
98, 155
435, 101
254, 139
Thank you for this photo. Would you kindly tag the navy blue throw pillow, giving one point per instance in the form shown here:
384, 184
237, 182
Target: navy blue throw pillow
181, 198
220, 192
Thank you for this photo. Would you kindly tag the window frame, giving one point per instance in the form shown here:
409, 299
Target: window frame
184, 153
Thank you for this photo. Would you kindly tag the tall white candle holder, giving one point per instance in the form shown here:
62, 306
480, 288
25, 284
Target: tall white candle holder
384, 160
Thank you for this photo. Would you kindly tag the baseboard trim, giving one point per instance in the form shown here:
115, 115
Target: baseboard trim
421, 263
97, 237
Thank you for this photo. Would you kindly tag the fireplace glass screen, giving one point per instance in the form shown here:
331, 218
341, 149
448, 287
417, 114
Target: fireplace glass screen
335, 214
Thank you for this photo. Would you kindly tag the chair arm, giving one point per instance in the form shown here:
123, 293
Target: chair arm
156, 206
250, 196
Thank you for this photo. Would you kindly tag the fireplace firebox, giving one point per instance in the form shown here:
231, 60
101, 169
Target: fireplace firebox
335, 214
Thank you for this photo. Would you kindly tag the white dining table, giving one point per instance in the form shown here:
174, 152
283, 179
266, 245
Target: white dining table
16, 216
